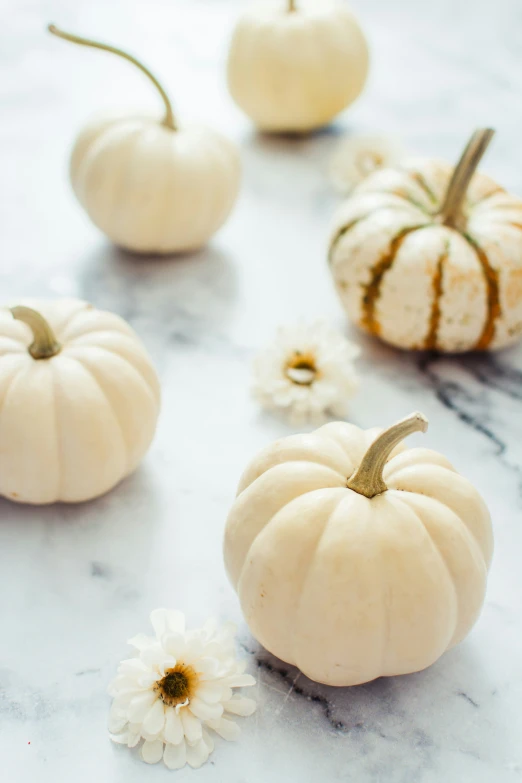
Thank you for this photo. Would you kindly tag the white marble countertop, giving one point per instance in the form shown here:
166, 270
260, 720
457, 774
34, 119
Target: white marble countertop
76, 582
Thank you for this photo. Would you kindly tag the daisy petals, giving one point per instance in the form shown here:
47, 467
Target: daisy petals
191, 726
175, 756
132, 667
356, 157
240, 705
205, 711
210, 627
146, 681
227, 694
122, 700
194, 648
240, 680
121, 738
307, 372
151, 752
117, 719
210, 692
208, 668
197, 754
174, 644
167, 621
140, 705
209, 742
154, 720
147, 735
134, 736
153, 656
178, 733
173, 731
225, 728
140, 641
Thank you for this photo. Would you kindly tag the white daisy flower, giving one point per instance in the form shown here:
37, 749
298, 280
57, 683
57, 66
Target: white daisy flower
307, 372
177, 687
355, 157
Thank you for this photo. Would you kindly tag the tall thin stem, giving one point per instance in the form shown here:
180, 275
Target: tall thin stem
367, 479
168, 120
292, 6
450, 213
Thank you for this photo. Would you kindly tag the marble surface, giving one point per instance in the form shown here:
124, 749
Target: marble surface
76, 582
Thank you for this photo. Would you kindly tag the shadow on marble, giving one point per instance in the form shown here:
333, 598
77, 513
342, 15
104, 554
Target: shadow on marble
202, 283
137, 493
291, 170
267, 140
390, 707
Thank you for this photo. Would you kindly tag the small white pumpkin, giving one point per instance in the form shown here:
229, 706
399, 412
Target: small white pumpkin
79, 401
294, 65
152, 186
430, 257
355, 558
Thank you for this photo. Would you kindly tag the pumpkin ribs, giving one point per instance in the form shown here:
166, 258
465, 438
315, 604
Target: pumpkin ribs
372, 290
494, 310
430, 343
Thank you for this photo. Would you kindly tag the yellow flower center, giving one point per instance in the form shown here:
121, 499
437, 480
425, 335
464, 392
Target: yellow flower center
178, 685
302, 369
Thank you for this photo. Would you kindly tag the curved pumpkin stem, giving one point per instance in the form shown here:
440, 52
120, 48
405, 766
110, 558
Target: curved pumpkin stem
44, 345
450, 213
367, 479
168, 120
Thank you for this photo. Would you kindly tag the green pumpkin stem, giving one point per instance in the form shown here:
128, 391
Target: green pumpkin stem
367, 480
450, 213
44, 345
168, 120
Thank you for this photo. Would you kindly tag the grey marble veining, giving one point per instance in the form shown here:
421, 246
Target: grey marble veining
76, 582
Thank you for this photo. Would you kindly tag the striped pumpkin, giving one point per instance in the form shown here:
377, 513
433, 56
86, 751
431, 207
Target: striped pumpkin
427, 256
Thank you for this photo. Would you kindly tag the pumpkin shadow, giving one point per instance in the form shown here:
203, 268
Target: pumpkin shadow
331, 131
85, 534
84, 569
178, 298
292, 169
385, 708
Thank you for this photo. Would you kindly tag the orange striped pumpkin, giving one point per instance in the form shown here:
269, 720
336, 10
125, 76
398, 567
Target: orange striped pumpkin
427, 256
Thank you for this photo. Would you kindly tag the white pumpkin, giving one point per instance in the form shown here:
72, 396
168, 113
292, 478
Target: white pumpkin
292, 66
430, 257
79, 401
150, 185
355, 558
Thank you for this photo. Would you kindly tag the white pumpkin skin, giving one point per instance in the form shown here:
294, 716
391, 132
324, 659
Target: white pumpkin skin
296, 70
349, 588
433, 287
152, 186
152, 189
72, 426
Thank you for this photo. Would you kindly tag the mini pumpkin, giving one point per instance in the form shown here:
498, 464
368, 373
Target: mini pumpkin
153, 186
354, 557
294, 64
79, 401
429, 257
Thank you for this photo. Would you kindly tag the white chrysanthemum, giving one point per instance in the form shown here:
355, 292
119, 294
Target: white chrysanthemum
179, 685
355, 157
307, 372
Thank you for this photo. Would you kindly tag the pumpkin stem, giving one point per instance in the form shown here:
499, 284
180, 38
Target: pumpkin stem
450, 213
367, 480
292, 6
44, 345
168, 120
